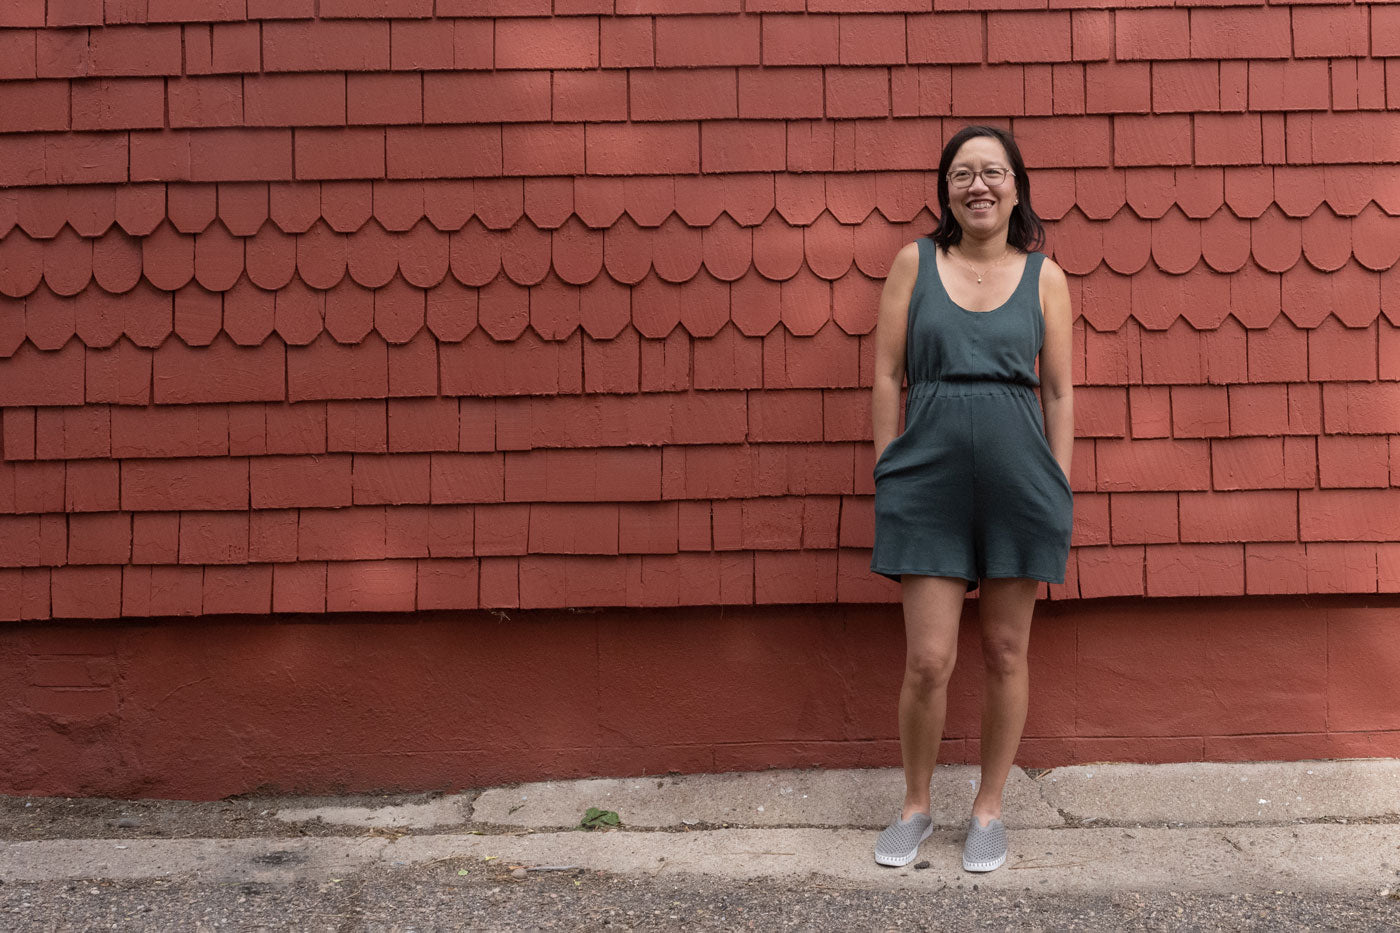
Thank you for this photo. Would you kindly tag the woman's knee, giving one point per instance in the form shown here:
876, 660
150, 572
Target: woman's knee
927, 671
1004, 657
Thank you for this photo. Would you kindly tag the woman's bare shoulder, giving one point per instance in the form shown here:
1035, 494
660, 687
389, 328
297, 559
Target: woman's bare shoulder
1051, 273
906, 261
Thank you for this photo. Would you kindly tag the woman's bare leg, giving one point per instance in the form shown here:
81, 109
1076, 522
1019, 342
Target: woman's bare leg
1005, 608
932, 610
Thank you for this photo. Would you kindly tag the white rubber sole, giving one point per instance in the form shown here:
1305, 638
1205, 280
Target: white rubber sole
992, 865
896, 861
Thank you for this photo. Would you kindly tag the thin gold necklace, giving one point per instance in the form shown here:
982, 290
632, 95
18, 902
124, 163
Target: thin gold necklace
979, 275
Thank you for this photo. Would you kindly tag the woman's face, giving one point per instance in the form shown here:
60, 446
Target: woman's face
982, 210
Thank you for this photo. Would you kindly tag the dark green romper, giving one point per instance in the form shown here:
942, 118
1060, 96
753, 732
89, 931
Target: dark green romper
970, 488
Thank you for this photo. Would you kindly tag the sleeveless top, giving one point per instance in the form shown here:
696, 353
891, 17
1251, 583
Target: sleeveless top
946, 341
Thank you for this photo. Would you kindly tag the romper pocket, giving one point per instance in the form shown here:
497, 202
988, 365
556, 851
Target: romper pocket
884, 458
1053, 465
915, 408
1043, 443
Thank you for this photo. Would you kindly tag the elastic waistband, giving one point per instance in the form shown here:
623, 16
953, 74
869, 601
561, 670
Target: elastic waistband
964, 388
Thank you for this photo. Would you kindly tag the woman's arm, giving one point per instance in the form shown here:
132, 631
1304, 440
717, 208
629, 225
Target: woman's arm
889, 345
1056, 377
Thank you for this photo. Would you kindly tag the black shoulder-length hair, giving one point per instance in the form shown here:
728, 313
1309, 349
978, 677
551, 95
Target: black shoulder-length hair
1026, 232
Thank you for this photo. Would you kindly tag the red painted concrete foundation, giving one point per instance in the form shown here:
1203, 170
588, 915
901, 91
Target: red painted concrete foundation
220, 706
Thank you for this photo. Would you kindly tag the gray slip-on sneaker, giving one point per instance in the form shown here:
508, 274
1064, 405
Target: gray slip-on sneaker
985, 849
899, 842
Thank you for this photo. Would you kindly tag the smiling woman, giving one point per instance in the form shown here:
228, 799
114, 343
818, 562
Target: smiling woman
975, 490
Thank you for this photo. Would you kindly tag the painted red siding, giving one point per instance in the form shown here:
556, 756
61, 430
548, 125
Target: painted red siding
406, 305
451, 700
306, 292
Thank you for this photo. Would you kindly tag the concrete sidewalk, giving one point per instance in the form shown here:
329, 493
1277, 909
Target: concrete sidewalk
1323, 827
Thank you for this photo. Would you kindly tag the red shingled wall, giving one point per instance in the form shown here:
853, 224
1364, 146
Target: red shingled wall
316, 306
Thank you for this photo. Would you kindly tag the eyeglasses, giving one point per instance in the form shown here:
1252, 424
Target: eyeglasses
992, 177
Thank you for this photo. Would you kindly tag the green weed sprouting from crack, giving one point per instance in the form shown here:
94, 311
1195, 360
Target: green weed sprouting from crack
594, 818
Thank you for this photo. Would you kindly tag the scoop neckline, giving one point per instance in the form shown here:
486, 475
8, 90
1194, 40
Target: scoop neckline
1020, 280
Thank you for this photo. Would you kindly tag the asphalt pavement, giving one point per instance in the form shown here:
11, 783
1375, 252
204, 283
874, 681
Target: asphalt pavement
1306, 845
